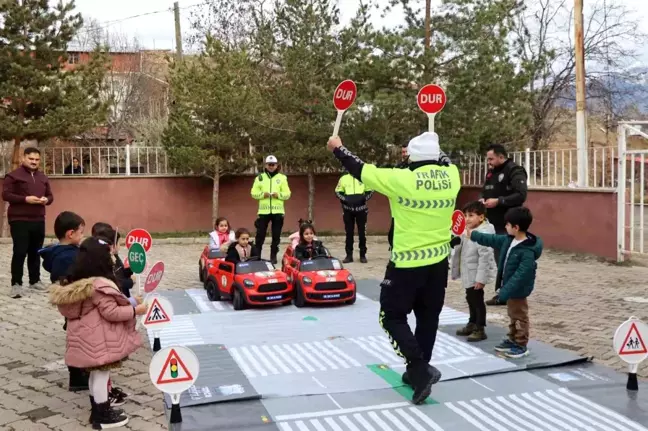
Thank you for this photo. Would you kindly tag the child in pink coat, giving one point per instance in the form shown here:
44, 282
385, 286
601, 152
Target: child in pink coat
101, 329
294, 238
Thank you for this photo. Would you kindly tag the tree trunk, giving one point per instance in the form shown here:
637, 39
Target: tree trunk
215, 193
15, 162
311, 196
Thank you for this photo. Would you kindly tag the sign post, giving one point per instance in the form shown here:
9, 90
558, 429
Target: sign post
137, 261
431, 99
343, 98
629, 344
174, 370
458, 222
158, 315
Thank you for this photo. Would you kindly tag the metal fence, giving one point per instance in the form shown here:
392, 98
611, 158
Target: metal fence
551, 168
546, 168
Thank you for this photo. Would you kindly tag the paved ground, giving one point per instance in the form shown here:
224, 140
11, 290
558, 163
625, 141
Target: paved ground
577, 304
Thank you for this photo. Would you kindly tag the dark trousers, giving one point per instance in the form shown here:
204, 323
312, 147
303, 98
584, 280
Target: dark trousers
351, 220
28, 238
421, 290
499, 230
475, 299
261, 225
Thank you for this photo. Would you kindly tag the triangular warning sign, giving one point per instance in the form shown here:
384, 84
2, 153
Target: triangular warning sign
156, 314
633, 343
174, 370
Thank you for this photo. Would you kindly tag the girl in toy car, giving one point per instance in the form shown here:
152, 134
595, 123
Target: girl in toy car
242, 249
222, 236
309, 247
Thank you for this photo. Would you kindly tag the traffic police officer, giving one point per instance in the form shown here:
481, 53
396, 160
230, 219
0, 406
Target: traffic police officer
354, 196
422, 199
271, 189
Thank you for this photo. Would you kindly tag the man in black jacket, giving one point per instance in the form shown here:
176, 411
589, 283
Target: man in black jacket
505, 187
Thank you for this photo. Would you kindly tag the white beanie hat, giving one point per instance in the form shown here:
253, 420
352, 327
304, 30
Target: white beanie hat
424, 147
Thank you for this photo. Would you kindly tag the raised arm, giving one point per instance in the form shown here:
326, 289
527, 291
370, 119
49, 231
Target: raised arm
488, 240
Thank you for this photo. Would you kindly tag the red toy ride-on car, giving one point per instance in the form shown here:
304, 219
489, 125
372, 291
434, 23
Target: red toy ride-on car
209, 259
253, 282
320, 280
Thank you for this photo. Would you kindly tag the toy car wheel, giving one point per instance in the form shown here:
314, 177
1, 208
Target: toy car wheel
212, 290
300, 300
239, 300
201, 274
351, 301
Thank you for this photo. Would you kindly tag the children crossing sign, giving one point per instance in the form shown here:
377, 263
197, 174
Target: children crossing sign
630, 341
174, 369
159, 313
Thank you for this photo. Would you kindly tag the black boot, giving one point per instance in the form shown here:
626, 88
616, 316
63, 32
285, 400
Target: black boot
422, 376
363, 259
106, 417
348, 259
405, 378
93, 410
78, 379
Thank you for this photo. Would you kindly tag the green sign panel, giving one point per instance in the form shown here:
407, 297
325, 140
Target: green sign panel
137, 258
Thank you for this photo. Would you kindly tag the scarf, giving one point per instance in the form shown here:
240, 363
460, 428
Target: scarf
244, 253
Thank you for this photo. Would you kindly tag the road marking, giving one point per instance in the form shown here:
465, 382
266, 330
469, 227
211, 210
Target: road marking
318, 382
334, 402
480, 384
325, 413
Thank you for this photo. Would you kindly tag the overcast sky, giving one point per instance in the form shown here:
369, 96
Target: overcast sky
156, 31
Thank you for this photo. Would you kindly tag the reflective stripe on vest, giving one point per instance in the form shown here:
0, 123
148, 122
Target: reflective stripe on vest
426, 253
425, 204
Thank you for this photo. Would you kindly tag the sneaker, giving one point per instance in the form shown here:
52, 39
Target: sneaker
466, 330
505, 346
517, 352
348, 259
16, 291
38, 286
115, 398
93, 410
477, 335
107, 417
363, 259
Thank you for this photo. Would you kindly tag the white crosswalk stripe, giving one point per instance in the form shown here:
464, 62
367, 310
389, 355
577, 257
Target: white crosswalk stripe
180, 332
547, 410
446, 347
401, 419
450, 316
199, 297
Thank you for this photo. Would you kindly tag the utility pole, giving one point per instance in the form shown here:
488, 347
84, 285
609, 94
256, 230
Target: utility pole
178, 33
428, 31
581, 123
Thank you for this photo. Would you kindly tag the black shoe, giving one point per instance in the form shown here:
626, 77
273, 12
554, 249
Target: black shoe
363, 259
423, 377
106, 417
273, 259
405, 379
93, 410
348, 259
117, 397
78, 380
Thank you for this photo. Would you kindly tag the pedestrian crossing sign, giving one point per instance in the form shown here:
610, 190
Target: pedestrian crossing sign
174, 369
629, 341
159, 313
633, 343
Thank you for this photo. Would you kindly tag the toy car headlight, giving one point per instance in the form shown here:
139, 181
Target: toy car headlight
350, 278
307, 280
248, 283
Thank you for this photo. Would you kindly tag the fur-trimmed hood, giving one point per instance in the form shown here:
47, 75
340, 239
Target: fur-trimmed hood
70, 297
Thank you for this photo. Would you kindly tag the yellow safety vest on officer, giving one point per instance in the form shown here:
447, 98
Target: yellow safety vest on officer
271, 183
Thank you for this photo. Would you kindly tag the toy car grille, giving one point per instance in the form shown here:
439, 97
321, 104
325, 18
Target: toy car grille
331, 285
272, 287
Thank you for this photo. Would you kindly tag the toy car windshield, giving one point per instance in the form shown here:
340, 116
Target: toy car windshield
252, 266
321, 263
215, 253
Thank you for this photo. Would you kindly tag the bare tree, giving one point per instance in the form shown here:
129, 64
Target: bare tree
544, 39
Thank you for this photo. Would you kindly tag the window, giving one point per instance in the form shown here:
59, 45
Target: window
73, 57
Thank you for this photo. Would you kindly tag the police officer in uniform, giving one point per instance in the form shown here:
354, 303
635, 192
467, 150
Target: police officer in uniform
354, 196
422, 199
505, 187
271, 189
